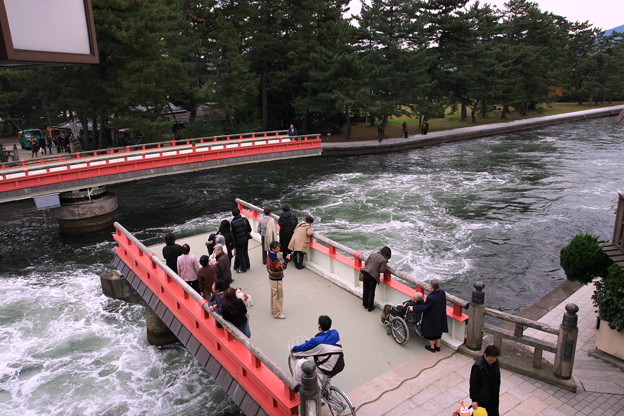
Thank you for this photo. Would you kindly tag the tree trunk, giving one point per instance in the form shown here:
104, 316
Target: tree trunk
348, 126
372, 120
264, 96
464, 112
504, 111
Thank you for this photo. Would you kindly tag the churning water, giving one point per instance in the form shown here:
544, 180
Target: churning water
497, 209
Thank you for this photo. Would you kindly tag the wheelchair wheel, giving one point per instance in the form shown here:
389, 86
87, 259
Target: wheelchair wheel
418, 328
399, 329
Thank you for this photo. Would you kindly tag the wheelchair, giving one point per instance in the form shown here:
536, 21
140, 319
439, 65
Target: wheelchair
399, 326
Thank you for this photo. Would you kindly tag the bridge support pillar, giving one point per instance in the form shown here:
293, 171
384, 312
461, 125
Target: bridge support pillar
157, 332
85, 211
115, 285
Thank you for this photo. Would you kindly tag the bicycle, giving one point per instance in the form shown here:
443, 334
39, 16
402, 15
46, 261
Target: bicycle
336, 400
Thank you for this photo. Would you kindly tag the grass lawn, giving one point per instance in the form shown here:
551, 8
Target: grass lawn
363, 131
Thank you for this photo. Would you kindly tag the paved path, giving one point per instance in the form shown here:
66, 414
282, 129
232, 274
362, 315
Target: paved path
436, 386
462, 133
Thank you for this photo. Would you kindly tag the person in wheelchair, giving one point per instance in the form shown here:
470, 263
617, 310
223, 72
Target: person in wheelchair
401, 310
324, 348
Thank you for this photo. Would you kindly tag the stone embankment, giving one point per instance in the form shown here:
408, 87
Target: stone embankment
464, 133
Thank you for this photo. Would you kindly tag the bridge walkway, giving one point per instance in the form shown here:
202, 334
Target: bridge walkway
383, 378
369, 352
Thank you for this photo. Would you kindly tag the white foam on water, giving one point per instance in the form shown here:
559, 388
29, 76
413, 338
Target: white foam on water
66, 349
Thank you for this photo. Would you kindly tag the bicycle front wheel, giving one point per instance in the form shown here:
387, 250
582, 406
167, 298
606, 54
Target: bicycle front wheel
338, 402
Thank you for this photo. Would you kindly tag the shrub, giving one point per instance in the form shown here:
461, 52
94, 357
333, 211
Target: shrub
609, 297
583, 259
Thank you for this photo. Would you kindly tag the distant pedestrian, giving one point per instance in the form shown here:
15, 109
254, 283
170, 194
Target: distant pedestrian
434, 316
206, 276
380, 133
42, 145
276, 275
235, 311
485, 381
268, 232
241, 230
287, 222
424, 127
404, 129
292, 131
49, 143
57, 143
188, 267
376, 264
171, 251
300, 241
34, 148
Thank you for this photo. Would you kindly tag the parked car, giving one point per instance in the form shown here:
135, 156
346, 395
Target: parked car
25, 137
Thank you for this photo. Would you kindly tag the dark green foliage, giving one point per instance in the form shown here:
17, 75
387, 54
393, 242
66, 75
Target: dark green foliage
264, 64
583, 259
609, 297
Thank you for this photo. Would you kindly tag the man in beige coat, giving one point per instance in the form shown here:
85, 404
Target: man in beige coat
300, 241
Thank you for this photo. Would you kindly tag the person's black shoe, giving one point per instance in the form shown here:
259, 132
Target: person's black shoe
428, 348
437, 348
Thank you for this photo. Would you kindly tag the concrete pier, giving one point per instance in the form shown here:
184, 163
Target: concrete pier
82, 217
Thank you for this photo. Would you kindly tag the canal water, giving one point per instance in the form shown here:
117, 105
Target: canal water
497, 209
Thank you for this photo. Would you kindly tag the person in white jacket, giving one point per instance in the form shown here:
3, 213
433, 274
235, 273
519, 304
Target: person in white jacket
268, 232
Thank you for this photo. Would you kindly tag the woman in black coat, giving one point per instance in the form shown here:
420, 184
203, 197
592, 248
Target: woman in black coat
235, 311
434, 316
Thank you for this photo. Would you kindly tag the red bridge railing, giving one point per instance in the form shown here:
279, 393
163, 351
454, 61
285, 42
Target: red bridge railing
81, 166
263, 380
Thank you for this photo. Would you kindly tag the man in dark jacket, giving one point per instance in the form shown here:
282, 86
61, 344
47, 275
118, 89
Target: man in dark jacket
241, 230
485, 381
171, 251
287, 222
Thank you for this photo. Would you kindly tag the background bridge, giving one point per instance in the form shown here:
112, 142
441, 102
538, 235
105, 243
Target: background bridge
65, 173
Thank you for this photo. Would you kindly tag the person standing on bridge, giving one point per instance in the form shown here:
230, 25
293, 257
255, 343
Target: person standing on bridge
268, 232
241, 230
292, 131
171, 251
376, 264
287, 222
276, 275
188, 267
222, 262
434, 316
485, 381
206, 276
300, 241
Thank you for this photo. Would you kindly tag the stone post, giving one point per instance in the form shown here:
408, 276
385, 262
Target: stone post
566, 343
157, 332
476, 311
310, 394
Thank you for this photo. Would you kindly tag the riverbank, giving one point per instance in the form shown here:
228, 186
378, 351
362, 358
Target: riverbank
363, 147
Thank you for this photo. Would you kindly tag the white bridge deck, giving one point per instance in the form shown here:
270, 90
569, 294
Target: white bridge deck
369, 351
